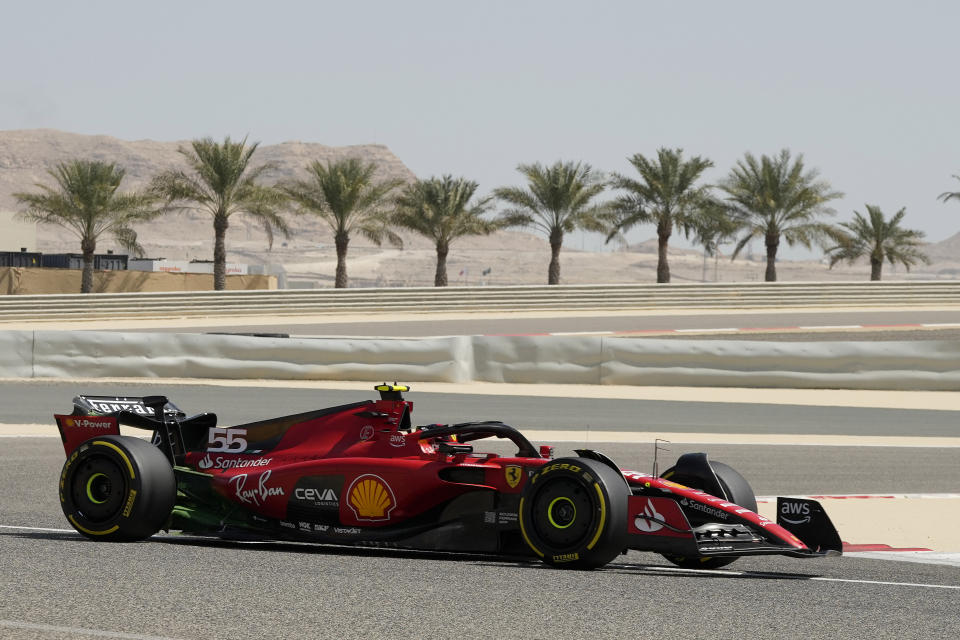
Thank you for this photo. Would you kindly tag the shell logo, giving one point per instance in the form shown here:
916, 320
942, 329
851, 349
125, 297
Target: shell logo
371, 498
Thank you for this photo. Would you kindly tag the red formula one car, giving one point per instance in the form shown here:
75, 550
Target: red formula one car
361, 474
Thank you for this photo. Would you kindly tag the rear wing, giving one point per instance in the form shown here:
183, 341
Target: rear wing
75, 430
102, 415
114, 405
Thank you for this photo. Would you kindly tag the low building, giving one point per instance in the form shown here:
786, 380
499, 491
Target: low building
108, 261
182, 266
22, 258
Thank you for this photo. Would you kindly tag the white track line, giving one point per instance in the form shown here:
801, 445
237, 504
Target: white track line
79, 631
859, 496
581, 333
835, 326
922, 557
45, 530
747, 574
896, 584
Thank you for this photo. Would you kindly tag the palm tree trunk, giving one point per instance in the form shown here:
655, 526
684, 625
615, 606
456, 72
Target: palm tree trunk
773, 242
556, 241
342, 239
88, 247
663, 238
440, 279
876, 266
220, 224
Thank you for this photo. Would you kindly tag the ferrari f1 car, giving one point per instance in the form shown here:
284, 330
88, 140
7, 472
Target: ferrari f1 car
362, 474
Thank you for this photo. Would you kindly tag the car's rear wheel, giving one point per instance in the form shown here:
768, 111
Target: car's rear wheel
573, 513
738, 491
117, 488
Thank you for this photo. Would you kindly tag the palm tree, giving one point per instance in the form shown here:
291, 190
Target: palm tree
85, 201
440, 209
715, 227
557, 201
950, 195
223, 183
776, 199
665, 195
344, 195
879, 239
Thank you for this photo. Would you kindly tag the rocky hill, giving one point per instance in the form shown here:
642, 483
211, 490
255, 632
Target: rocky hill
26, 156
509, 257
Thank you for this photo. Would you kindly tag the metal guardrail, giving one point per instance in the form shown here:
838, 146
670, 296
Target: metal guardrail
502, 298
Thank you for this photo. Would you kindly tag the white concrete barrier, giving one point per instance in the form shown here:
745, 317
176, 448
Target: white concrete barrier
66, 354
928, 365
16, 354
537, 359
914, 365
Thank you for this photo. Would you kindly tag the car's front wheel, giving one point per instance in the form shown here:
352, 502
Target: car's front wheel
572, 513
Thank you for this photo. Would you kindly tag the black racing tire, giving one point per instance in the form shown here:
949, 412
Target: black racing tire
573, 513
739, 492
117, 489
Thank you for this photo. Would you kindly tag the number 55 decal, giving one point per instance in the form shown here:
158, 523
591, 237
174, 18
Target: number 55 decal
229, 440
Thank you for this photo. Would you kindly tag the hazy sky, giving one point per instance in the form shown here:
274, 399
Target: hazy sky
867, 91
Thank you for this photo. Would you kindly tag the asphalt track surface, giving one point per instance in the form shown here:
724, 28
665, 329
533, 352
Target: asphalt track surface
886, 324
55, 584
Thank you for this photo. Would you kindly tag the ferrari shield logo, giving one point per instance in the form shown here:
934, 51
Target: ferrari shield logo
513, 473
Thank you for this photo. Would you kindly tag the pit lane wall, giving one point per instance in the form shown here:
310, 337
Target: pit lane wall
916, 365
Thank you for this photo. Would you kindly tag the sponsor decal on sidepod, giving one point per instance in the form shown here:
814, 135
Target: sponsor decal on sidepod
322, 497
512, 473
231, 463
371, 498
257, 494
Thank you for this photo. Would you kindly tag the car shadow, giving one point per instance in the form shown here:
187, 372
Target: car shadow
479, 559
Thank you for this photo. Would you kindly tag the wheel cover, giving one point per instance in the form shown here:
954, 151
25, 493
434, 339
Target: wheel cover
98, 489
562, 513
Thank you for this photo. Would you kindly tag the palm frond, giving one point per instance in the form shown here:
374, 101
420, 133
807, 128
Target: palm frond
557, 199
441, 209
946, 196
876, 237
86, 200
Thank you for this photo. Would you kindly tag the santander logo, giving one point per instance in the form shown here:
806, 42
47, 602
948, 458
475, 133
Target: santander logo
648, 524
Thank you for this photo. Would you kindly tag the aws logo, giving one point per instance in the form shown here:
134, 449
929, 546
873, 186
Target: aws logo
371, 498
795, 512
